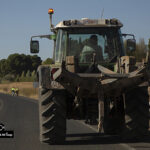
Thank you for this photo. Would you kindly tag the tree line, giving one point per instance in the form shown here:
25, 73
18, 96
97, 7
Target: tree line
141, 50
18, 66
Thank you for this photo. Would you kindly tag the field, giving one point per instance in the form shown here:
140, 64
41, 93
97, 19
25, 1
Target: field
25, 89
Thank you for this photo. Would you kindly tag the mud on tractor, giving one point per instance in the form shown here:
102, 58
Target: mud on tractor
92, 79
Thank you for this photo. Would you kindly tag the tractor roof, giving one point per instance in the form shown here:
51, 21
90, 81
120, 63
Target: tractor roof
85, 22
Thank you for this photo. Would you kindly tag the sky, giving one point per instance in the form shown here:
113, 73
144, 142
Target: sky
21, 19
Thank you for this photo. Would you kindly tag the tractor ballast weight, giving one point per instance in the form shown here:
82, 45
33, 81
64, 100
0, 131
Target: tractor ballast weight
98, 83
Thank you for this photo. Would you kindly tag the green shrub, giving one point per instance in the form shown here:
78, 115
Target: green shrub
9, 77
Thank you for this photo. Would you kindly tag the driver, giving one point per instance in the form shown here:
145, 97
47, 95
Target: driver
91, 50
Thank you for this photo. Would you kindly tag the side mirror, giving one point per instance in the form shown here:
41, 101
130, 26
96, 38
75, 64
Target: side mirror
34, 46
131, 45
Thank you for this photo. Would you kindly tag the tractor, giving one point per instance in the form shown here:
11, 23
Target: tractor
92, 79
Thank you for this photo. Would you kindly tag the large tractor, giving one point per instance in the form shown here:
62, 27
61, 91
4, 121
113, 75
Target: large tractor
92, 79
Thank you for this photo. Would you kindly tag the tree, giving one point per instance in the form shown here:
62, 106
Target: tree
9, 77
22, 76
141, 50
17, 78
48, 61
28, 74
19, 64
3, 67
13, 62
36, 61
33, 73
149, 44
33, 76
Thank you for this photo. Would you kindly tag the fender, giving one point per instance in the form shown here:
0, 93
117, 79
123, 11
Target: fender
44, 76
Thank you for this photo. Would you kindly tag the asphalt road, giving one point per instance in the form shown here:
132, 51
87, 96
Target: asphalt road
21, 115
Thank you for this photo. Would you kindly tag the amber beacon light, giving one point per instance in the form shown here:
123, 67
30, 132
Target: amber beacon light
50, 11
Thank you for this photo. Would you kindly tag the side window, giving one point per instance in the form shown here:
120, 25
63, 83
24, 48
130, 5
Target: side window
58, 48
121, 44
64, 44
60, 51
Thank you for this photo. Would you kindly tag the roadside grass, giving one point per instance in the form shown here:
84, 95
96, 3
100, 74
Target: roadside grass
25, 89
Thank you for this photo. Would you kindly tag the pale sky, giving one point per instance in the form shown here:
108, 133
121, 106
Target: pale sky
20, 19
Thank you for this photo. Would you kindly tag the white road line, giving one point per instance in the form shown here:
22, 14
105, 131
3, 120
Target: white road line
128, 147
87, 125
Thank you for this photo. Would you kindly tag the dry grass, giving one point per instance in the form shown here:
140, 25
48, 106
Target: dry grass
25, 89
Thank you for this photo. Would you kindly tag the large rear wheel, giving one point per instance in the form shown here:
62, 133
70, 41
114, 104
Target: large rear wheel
136, 113
52, 116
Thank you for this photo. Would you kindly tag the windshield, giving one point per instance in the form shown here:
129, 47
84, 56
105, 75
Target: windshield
89, 44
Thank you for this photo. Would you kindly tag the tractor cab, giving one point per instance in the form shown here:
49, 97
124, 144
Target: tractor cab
89, 45
85, 42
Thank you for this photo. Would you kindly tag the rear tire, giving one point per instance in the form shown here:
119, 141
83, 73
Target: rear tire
136, 113
52, 116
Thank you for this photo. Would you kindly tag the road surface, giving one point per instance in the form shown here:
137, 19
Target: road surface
21, 115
